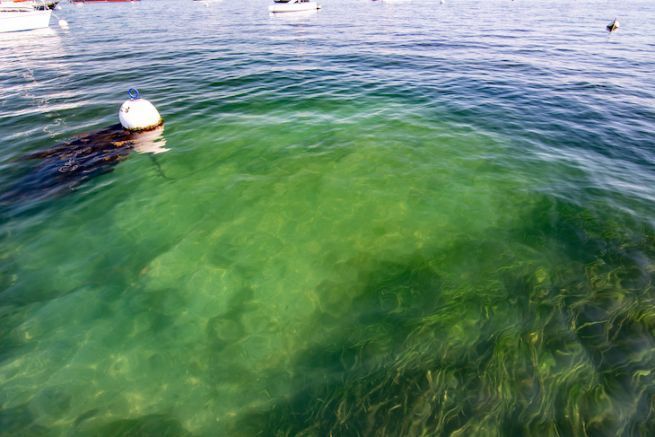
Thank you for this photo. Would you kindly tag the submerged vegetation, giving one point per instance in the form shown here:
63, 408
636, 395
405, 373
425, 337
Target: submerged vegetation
521, 314
390, 230
520, 347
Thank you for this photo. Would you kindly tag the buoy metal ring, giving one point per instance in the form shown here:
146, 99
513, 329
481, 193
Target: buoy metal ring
133, 93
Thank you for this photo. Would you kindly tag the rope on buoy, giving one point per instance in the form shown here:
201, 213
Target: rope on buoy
133, 93
158, 168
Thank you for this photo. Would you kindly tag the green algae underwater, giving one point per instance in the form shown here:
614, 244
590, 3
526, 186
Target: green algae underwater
381, 250
349, 286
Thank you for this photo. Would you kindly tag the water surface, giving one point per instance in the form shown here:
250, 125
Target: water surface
379, 219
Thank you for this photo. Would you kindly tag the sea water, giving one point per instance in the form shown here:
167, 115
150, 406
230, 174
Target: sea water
378, 219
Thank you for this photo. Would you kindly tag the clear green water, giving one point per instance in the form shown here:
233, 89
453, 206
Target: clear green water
366, 224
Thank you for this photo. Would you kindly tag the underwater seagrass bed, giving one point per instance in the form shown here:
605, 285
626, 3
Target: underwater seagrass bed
369, 222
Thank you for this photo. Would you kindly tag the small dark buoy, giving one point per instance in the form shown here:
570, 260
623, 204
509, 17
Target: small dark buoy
614, 25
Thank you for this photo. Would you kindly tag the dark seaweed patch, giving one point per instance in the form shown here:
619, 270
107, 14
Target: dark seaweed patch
65, 166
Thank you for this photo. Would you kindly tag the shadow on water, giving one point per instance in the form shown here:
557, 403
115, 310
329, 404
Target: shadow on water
541, 346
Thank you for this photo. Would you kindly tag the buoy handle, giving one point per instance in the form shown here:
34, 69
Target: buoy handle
133, 93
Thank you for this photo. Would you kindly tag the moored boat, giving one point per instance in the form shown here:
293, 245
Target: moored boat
16, 17
36, 4
293, 6
104, 1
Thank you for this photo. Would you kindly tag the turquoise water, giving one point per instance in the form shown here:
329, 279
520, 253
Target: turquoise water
379, 219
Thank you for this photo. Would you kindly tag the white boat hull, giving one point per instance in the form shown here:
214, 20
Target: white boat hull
293, 7
15, 21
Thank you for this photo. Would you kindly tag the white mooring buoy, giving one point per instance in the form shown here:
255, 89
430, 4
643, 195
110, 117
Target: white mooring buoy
138, 114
